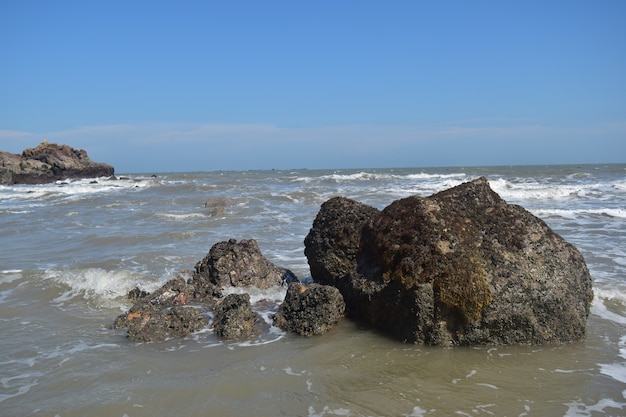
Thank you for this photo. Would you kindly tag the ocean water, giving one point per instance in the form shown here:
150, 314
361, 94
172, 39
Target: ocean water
71, 251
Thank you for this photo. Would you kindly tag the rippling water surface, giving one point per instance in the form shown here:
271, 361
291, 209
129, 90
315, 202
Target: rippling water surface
71, 251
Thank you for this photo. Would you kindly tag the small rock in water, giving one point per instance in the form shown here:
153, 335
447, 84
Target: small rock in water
234, 318
310, 309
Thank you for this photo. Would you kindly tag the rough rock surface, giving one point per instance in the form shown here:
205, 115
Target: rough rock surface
461, 267
310, 309
240, 264
234, 318
177, 308
163, 314
332, 245
47, 163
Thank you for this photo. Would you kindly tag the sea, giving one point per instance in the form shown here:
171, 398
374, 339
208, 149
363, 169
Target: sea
72, 250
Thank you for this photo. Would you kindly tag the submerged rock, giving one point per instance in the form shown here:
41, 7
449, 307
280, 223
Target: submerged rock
217, 205
310, 309
461, 267
49, 162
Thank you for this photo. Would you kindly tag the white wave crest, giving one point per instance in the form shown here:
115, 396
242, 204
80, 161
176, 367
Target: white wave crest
580, 409
616, 370
599, 306
275, 294
181, 216
71, 188
578, 213
551, 191
98, 283
613, 294
368, 176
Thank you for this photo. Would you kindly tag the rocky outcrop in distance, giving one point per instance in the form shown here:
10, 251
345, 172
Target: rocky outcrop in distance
47, 163
461, 267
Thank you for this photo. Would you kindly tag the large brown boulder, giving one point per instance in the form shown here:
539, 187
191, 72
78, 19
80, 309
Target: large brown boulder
461, 267
48, 163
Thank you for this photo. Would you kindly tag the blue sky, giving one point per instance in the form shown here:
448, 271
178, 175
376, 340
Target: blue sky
161, 86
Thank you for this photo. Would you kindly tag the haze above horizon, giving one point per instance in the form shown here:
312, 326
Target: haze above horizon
196, 86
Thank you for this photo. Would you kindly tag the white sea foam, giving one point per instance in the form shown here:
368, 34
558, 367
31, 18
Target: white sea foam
617, 370
8, 384
417, 412
182, 216
579, 409
617, 297
70, 188
425, 176
484, 384
275, 294
613, 294
10, 275
358, 176
98, 283
369, 176
289, 371
256, 342
524, 191
8, 211
66, 351
600, 309
329, 411
578, 213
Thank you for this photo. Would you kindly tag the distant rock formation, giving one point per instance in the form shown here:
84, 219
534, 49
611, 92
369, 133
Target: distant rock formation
48, 163
461, 267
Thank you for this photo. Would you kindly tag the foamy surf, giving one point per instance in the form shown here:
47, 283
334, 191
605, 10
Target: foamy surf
610, 304
617, 370
98, 285
69, 189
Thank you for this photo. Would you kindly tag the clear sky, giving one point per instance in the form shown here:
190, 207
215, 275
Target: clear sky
156, 86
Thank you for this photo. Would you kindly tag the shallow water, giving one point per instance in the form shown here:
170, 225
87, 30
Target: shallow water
70, 253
